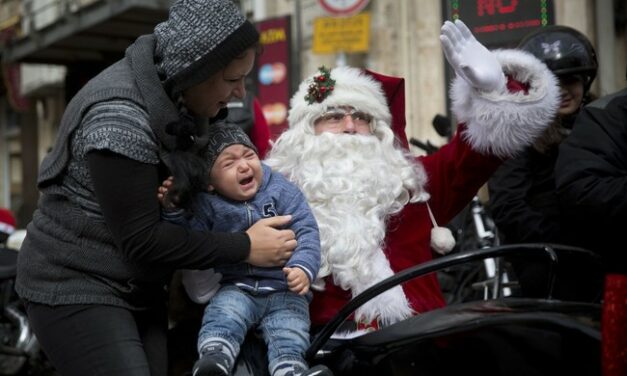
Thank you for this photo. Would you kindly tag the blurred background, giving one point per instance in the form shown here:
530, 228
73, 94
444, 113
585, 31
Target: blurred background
50, 48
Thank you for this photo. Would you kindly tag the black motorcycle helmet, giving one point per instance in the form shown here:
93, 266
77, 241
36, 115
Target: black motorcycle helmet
564, 50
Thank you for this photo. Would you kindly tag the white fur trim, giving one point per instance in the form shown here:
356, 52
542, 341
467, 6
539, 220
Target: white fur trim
390, 306
353, 87
6, 228
503, 123
15, 240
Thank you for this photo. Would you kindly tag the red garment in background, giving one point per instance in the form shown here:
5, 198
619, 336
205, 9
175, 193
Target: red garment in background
260, 133
614, 326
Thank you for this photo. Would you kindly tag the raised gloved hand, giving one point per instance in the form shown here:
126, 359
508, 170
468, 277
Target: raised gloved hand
470, 59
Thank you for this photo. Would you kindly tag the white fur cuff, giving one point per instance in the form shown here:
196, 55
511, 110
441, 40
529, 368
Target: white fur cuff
503, 123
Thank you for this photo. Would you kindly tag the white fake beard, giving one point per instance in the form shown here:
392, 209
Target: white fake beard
353, 184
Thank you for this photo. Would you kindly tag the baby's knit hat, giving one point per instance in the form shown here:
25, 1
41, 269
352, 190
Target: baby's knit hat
221, 136
199, 38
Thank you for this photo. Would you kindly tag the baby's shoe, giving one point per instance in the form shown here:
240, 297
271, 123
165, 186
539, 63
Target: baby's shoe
319, 370
213, 363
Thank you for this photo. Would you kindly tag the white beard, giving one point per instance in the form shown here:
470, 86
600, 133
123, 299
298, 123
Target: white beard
353, 184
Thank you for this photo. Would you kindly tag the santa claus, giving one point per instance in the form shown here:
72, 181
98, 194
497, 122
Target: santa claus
376, 204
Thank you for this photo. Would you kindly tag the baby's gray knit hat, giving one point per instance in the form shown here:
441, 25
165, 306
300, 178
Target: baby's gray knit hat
221, 136
199, 38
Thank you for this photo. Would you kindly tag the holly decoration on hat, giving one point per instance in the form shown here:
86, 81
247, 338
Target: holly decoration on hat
320, 87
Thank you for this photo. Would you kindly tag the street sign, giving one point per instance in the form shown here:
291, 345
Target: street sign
343, 7
344, 34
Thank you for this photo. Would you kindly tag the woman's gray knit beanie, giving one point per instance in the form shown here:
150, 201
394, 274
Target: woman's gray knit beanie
199, 38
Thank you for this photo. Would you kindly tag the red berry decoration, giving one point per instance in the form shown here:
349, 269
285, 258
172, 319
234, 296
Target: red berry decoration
321, 86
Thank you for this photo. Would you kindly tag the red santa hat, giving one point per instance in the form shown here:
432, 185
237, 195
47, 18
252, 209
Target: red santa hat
341, 86
7, 221
394, 89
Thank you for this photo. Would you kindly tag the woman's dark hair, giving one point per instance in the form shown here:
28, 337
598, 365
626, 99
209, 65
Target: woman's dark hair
190, 178
187, 166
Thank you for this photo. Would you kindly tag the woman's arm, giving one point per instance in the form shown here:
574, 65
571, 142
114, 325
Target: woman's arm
126, 190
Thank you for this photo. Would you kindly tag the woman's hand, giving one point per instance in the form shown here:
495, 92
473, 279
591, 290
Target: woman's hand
297, 280
470, 59
270, 246
162, 194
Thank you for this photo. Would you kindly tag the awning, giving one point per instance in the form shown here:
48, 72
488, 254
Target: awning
97, 33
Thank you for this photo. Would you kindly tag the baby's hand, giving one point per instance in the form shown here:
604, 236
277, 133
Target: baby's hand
297, 280
162, 194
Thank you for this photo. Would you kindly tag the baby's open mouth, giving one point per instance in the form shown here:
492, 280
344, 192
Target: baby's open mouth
246, 180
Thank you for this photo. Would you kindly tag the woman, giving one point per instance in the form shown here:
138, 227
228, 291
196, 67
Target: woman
96, 260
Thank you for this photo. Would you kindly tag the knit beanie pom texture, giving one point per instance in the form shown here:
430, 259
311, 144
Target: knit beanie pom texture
199, 38
223, 135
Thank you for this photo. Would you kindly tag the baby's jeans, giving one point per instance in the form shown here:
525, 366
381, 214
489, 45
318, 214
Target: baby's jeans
282, 317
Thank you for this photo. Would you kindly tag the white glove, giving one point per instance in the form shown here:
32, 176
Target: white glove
470, 59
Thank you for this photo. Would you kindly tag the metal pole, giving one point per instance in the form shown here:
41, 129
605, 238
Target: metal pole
606, 52
298, 45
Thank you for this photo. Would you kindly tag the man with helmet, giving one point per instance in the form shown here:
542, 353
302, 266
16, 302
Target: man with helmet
523, 200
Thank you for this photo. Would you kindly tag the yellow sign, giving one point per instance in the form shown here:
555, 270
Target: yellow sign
347, 34
270, 36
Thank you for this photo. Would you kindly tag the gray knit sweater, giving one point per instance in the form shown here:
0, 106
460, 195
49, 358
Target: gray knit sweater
69, 255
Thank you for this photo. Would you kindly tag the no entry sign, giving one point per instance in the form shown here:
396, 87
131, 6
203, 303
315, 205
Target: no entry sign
343, 7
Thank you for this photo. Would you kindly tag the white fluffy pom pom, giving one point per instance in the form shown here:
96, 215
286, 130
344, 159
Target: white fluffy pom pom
442, 240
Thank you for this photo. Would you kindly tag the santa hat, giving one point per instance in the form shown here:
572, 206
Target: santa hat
7, 221
394, 89
342, 86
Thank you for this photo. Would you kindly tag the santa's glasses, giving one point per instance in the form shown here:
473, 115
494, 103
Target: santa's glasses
335, 116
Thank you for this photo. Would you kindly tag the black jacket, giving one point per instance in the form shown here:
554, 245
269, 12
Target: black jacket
591, 178
523, 202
